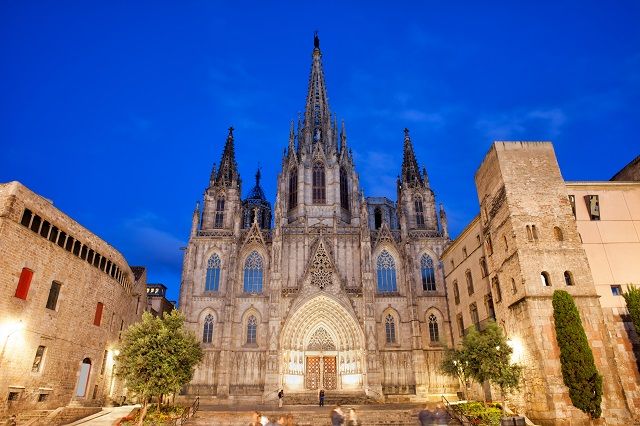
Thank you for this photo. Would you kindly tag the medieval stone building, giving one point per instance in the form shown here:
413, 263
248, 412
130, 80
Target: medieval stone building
343, 292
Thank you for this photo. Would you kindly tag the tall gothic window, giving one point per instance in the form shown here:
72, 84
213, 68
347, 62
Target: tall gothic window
428, 273
419, 213
467, 274
253, 273
390, 328
386, 267
219, 212
207, 331
377, 217
293, 188
434, 334
252, 326
318, 184
344, 189
212, 282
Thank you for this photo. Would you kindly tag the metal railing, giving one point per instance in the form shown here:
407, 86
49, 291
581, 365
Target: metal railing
188, 412
455, 412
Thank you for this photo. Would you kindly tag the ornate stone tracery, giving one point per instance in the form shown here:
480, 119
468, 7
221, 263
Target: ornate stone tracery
321, 268
321, 341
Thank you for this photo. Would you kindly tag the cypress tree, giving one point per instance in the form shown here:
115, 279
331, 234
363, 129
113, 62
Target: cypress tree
632, 297
578, 365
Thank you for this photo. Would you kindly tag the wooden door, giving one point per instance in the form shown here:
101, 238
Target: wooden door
329, 378
312, 376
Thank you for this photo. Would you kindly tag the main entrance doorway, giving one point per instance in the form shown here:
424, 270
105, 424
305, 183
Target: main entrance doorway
321, 372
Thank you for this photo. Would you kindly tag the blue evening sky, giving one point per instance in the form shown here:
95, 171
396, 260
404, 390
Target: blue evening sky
116, 110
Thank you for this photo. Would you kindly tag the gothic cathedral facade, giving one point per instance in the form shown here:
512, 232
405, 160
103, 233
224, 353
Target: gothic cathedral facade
337, 292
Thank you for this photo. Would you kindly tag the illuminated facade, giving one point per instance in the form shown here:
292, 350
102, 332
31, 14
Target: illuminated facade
66, 296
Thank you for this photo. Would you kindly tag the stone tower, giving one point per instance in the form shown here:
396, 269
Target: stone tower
521, 214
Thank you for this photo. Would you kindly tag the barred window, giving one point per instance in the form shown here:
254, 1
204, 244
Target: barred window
253, 273
390, 328
428, 273
207, 332
212, 282
386, 268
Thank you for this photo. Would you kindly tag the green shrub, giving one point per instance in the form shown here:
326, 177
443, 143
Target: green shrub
578, 366
480, 413
632, 297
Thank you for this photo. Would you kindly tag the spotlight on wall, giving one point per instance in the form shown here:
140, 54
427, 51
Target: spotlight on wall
517, 347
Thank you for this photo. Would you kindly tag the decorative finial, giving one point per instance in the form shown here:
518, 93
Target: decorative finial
406, 132
231, 129
258, 177
316, 40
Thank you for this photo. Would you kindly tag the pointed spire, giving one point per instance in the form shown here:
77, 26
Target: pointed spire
425, 176
410, 170
195, 219
443, 222
343, 138
317, 117
292, 139
212, 177
228, 171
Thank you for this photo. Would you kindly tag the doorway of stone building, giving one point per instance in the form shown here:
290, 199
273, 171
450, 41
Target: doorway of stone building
83, 378
321, 373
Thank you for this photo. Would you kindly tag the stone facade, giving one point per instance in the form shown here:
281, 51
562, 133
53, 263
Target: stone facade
344, 292
65, 297
529, 233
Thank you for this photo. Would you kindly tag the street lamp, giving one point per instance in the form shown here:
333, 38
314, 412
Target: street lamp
7, 330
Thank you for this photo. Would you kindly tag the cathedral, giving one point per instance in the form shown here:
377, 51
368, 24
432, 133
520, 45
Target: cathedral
328, 289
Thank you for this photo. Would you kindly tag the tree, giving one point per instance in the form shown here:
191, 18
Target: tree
578, 365
632, 297
157, 356
484, 356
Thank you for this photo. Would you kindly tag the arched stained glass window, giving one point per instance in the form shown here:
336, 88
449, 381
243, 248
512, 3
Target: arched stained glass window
318, 184
428, 273
253, 273
212, 282
434, 334
252, 327
207, 331
386, 268
390, 328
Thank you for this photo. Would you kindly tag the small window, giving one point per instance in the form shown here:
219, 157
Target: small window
207, 331
460, 322
506, 244
219, 218
434, 333
53, 235
97, 319
83, 252
557, 233
534, 230
72, 244
37, 360
489, 244
456, 292
572, 201
35, 223
13, 396
26, 218
496, 288
293, 188
478, 239
469, 278
593, 206
544, 278
44, 231
43, 397
344, 189
514, 289
464, 252
483, 267
23, 283
475, 319
568, 279
390, 328
62, 239
488, 303
419, 213
616, 290
529, 233
252, 326
377, 218
54, 292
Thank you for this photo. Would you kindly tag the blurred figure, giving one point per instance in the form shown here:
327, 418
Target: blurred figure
440, 415
352, 418
337, 416
280, 398
255, 419
426, 417
321, 397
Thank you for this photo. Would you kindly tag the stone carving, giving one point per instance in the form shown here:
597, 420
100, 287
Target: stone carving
321, 268
321, 341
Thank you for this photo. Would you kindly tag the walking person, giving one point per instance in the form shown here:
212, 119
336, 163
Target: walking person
321, 398
280, 398
352, 419
337, 416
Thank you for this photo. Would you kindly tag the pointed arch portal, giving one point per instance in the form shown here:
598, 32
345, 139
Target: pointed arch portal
322, 347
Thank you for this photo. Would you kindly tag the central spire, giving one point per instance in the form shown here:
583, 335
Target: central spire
410, 170
317, 118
